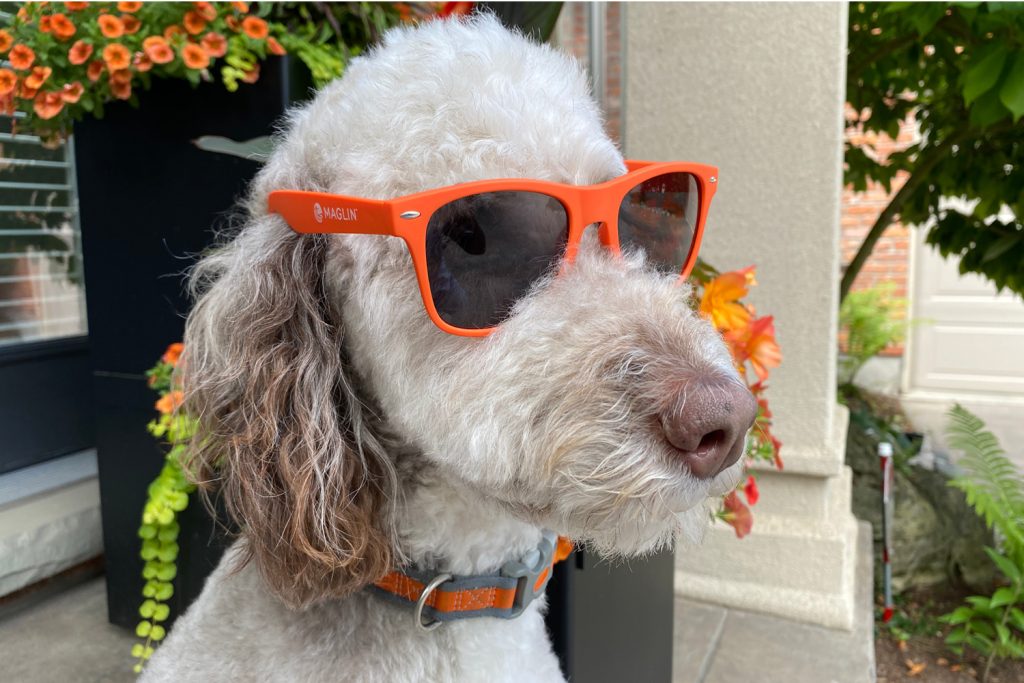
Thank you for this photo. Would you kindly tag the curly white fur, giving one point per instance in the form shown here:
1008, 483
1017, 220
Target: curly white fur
455, 451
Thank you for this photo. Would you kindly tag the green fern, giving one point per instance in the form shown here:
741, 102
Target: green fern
992, 484
992, 625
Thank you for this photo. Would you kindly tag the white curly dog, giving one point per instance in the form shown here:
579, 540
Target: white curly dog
350, 437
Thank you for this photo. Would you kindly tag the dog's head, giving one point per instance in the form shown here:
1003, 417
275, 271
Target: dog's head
602, 408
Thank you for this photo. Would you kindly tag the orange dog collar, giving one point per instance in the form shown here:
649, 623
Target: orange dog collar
445, 597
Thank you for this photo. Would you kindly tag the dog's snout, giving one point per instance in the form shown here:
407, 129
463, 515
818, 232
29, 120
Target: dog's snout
707, 425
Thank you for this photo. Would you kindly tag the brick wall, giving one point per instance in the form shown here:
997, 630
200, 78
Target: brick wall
891, 257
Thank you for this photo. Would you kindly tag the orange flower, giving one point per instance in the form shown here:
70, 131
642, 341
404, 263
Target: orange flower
129, 6
206, 10
5, 41
750, 491
172, 354
255, 28
173, 30
194, 23
21, 57
157, 49
252, 75
72, 92
142, 62
8, 79
26, 92
215, 44
63, 28
170, 401
79, 52
47, 104
111, 26
762, 348
121, 91
75, 6
242, 7
95, 70
116, 56
194, 56
275, 47
120, 77
44, 24
131, 24
233, 24
720, 299
38, 76
737, 515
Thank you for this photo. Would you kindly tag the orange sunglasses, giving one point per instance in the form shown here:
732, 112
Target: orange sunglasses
479, 247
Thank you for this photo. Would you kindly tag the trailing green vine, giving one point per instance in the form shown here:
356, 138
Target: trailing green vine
168, 495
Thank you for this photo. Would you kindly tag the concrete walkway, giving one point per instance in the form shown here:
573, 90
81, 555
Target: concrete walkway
65, 638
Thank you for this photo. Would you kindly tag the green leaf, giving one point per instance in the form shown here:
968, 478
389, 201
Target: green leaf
988, 110
1017, 618
1004, 633
1003, 596
957, 635
981, 77
961, 615
1001, 246
1006, 566
1011, 93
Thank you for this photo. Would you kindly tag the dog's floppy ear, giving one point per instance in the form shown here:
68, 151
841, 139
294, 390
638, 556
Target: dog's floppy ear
281, 431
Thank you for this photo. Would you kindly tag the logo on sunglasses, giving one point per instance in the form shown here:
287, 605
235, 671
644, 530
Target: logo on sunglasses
332, 213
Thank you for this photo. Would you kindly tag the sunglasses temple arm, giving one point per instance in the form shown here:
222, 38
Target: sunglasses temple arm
314, 212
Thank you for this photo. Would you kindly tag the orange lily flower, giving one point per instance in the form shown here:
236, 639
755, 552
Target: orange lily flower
47, 104
215, 44
757, 344
116, 56
194, 56
274, 47
737, 515
21, 57
142, 62
72, 92
255, 28
193, 22
206, 10
8, 79
720, 301
131, 24
111, 26
170, 401
95, 70
173, 353
80, 52
63, 27
157, 49
121, 91
38, 76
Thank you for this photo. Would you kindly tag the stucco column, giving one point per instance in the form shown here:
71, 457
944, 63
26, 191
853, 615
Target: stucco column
757, 89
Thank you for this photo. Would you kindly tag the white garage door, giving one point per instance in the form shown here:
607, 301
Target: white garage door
968, 348
970, 340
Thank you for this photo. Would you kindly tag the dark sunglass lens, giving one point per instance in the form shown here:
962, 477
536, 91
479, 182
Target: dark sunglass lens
659, 217
485, 251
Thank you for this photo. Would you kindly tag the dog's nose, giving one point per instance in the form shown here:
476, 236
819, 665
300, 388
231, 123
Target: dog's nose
707, 425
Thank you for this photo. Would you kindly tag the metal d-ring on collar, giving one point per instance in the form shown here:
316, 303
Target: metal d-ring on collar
427, 590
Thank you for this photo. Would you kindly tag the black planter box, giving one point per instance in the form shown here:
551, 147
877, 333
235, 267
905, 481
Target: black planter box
149, 200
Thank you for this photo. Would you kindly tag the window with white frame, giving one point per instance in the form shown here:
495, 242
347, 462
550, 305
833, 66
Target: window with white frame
41, 291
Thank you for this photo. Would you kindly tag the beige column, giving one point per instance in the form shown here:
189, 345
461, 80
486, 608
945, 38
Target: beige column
757, 89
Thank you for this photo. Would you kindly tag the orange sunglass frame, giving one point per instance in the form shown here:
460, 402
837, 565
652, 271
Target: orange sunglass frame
408, 217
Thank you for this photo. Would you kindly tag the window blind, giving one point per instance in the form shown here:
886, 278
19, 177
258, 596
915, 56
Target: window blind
41, 291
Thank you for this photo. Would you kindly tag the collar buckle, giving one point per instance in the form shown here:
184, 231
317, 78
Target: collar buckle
532, 572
